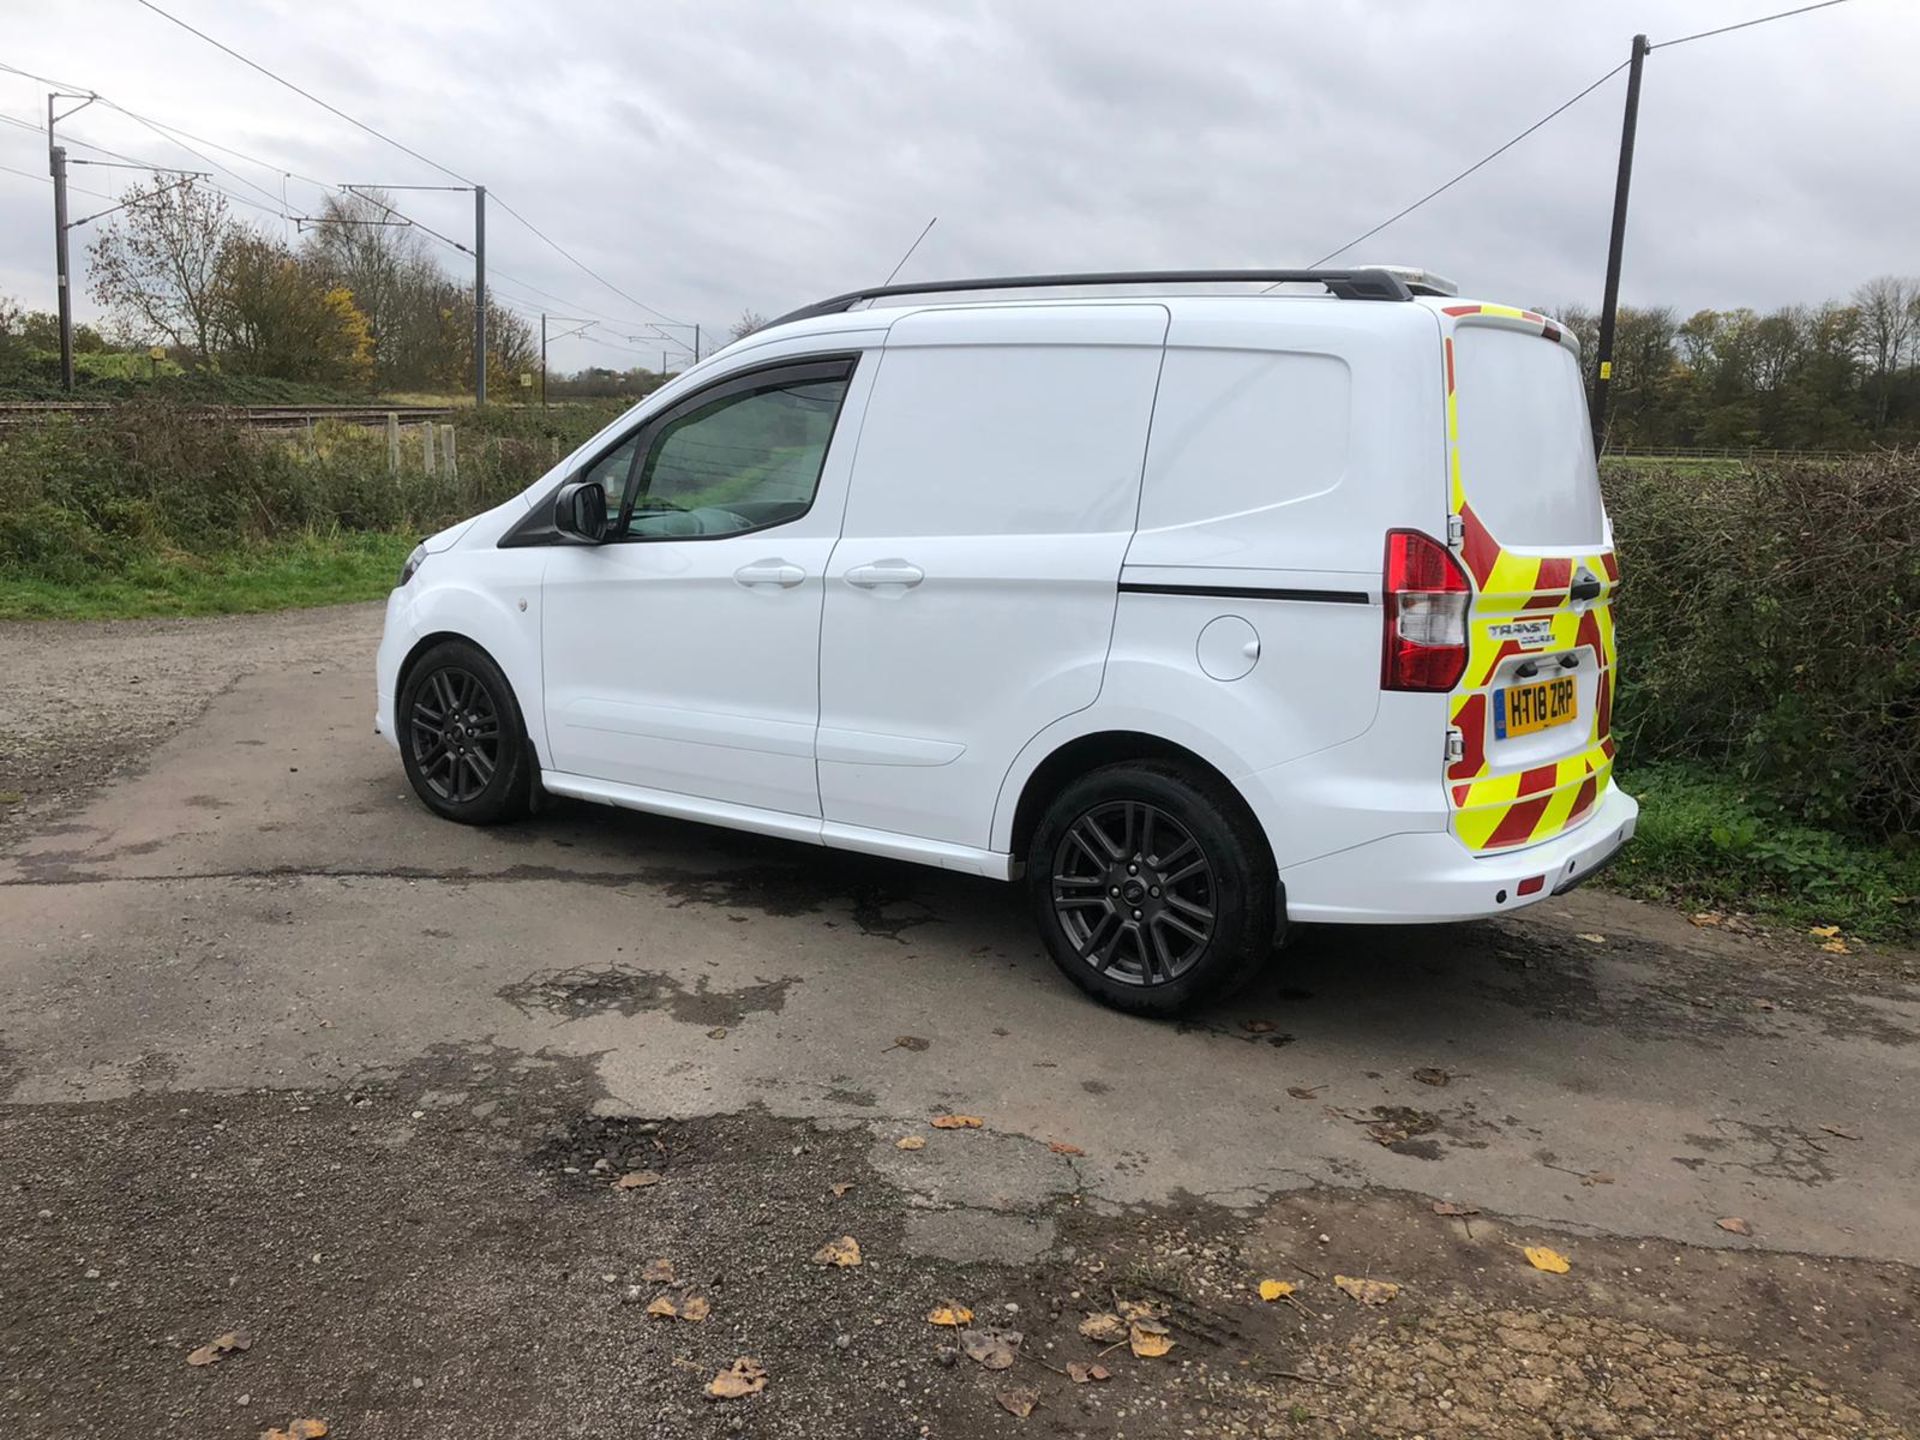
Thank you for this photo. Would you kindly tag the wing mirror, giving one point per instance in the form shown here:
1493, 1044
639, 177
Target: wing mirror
580, 512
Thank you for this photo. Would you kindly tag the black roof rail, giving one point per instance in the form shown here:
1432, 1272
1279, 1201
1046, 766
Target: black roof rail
1365, 284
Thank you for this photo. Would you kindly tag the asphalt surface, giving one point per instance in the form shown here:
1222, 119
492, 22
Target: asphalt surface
281, 1051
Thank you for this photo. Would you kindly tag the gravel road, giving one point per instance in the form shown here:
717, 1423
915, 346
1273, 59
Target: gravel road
283, 1056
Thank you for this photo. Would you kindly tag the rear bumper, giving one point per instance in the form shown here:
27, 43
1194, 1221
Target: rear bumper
1419, 878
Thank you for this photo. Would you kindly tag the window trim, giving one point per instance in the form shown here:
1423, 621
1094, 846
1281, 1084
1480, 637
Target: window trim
538, 528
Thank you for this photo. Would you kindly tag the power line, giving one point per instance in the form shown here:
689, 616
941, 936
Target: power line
1484, 159
1745, 24
307, 94
48, 180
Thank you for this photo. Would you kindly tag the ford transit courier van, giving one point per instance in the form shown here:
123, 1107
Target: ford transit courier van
1199, 614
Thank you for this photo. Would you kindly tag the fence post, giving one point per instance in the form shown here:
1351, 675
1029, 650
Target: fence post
447, 450
393, 443
426, 446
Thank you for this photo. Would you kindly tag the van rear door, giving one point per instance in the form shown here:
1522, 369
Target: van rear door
1530, 749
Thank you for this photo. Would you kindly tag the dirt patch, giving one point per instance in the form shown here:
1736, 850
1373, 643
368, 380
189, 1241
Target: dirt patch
577, 993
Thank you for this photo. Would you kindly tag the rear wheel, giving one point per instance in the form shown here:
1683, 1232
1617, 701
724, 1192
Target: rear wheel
1152, 887
461, 737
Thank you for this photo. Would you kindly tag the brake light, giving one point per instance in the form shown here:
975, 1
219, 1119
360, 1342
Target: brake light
1426, 594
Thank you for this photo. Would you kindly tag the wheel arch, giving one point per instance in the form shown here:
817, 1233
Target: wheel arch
427, 642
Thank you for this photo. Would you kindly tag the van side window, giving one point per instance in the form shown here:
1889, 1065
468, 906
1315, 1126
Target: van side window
744, 462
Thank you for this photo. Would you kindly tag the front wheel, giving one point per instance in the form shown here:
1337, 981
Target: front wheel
1152, 887
461, 738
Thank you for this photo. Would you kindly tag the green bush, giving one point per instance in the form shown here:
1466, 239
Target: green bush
1769, 622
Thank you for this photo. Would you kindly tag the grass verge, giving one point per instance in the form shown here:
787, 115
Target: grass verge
1707, 842
313, 568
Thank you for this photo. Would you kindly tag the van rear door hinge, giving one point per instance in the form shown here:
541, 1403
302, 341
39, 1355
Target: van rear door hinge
1456, 744
1456, 531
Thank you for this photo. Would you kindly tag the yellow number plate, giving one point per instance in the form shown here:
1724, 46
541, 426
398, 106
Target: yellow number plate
1523, 709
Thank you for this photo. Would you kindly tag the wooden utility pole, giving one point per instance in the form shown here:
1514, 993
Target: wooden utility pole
1603, 372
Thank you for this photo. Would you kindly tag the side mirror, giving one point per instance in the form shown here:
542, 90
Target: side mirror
580, 512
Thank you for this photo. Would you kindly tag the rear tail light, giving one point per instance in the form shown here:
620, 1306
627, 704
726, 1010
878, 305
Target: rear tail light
1426, 595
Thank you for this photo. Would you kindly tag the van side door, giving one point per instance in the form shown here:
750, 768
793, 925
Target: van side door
970, 601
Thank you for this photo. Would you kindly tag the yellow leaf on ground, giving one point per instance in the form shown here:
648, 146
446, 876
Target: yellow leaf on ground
1018, 1402
1734, 1225
1837, 947
1825, 932
1135, 1309
297, 1430
637, 1180
1106, 1328
1275, 1289
205, 1355
695, 1308
948, 1313
911, 1142
1551, 1261
1707, 918
658, 1272
1060, 1147
663, 1307
956, 1122
746, 1376
1148, 1339
843, 1252
1367, 1292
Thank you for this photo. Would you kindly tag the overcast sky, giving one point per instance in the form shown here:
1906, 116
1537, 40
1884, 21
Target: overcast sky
715, 155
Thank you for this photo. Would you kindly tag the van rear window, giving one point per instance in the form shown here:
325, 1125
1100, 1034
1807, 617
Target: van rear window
1526, 449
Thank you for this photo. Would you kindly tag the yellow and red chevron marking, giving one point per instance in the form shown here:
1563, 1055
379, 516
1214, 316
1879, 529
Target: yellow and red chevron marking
1497, 812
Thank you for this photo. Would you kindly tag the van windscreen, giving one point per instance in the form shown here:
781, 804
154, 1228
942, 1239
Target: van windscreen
1526, 452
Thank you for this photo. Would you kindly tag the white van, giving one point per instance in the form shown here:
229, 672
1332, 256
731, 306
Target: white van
1204, 613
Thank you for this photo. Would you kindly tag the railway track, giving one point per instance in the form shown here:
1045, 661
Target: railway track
261, 417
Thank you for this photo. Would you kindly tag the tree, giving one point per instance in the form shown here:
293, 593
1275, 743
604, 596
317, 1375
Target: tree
390, 273
749, 321
279, 316
1889, 314
156, 267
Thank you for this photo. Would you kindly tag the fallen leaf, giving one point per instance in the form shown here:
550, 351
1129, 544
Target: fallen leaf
1541, 1258
843, 1252
840, 1188
1136, 1309
956, 1122
1825, 932
746, 1376
1598, 1177
1106, 1328
948, 1313
1060, 1147
1734, 1225
911, 1142
908, 1042
1592, 939
1836, 947
1148, 1339
719, 1032
658, 1272
637, 1180
1447, 1207
1367, 1292
994, 1349
663, 1307
1706, 919
297, 1430
1301, 1092
1842, 1132
233, 1340
1018, 1402
1080, 1371
1258, 1027
205, 1355
1275, 1289
1432, 1075
695, 1308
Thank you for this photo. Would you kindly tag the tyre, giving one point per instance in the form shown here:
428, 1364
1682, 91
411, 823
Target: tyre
1153, 887
461, 737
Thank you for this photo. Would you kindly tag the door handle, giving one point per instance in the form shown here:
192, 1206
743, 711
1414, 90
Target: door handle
885, 572
783, 573
1586, 587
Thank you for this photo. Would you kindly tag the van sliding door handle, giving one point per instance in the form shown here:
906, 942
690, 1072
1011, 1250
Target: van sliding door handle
885, 572
1587, 587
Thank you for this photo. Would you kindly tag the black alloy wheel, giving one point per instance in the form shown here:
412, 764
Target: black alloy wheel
461, 737
1153, 885
1134, 893
455, 730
